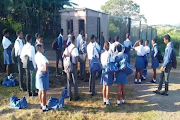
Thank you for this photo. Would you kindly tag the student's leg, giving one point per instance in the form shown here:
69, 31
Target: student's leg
57, 60
123, 91
166, 76
40, 97
154, 75
44, 97
104, 92
84, 66
74, 78
90, 82
161, 80
118, 92
28, 80
33, 82
8, 67
93, 82
140, 73
62, 62
69, 85
20, 73
107, 92
136, 73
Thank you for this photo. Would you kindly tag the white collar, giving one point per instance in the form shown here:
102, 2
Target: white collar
60, 35
127, 39
28, 43
18, 38
168, 44
154, 44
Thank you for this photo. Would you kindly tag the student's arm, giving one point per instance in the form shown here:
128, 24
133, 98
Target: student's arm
59, 42
168, 57
46, 68
33, 57
155, 52
135, 44
76, 58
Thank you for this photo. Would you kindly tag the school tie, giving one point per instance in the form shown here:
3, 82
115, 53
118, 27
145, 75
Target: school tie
83, 48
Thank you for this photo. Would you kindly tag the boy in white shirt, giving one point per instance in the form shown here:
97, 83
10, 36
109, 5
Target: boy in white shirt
7, 45
72, 76
18, 45
79, 38
29, 51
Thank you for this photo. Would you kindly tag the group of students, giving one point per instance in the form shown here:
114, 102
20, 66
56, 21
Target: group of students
79, 51
33, 61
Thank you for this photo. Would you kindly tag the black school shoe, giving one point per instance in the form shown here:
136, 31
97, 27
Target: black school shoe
164, 93
157, 92
77, 98
104, 103
34, 94
108, 104
152, 81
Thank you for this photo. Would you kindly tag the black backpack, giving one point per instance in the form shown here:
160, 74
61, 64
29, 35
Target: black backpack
55, 44
160, 56
174, 61
14, 58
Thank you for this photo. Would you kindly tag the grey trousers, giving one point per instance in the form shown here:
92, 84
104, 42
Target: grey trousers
59, 57
72, 79
92, 79
82, 60
28, 79
164, 76
20, 70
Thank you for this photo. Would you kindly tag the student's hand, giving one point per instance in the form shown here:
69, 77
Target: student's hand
161, 69
154, 57
35, 69
43, 71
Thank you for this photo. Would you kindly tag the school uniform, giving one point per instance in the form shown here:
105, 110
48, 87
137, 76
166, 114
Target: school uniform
106, 78
68, 40
92, 52
154, 52
42, 79
72, 77
139, 64
121, 77
128, 47
82, 58
29, 50
7, 51
59, 52
167, 65
78, 41
18, 45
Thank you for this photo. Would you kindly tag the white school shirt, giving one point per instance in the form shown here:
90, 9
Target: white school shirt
140, 50
40, 61
29, 50
18, 45
74, 52
147, 49
78, 40
97, 46
6, 42
104, 58
69, 39
91, 51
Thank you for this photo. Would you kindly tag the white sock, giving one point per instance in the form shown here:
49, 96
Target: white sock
118, 102
154, 80
107, 101
123, 101
135, 80
139, 80
114, 79
44, 107
104, 99
41, 105
9, 77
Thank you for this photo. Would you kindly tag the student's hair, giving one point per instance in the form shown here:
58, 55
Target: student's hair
80, 31
127, 35
5, 31
36, 35
147, 41
61, 31
18, 32
28, 37
72, 39
38, 47
141, 41
92, 37
40, 36
83, 35
167, 37
154, 39
106, 45
117, 38
109, 38
119, 48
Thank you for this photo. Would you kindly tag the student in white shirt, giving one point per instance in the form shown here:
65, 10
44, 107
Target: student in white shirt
42, 76
147, 51
69, 37
18, 45
92, 52
79, 38
139, 64
96, 44
29, 50
128, 46
7, 45
36, 41
72, 76
106, 78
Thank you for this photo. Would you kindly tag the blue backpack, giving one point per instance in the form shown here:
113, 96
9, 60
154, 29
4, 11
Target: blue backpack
56, 103
125, 67
10, 82
64, 93
18, 103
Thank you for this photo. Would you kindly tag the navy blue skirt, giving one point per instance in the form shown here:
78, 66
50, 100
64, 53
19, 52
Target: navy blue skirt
155, 63
107, 79
139, 64
7, 56
121, 78
42, 80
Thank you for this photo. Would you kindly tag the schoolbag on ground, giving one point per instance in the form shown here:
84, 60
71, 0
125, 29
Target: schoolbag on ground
159, 56
67, 61
174, 61
56, 103
10, 82
64, 93
55, 44
125, 67
18, 103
